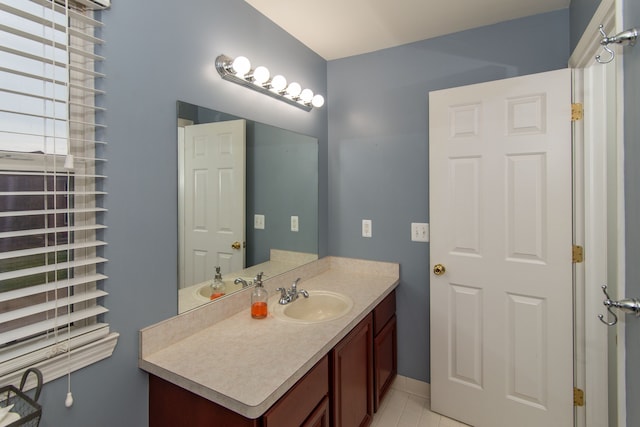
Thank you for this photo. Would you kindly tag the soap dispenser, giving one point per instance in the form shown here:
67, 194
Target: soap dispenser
217, 286
259, 299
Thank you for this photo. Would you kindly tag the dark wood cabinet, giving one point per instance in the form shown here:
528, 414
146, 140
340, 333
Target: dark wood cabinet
385, 345
171, 405
298, 407
352, 377
305, 404
343, 389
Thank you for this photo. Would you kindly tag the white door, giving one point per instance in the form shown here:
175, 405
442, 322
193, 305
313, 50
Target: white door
214, 199
501, 224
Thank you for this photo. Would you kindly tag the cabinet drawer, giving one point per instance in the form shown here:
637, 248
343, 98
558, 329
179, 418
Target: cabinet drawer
295, 407
384, 312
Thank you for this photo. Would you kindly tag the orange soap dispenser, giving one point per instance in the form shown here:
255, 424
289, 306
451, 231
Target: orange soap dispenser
259, 298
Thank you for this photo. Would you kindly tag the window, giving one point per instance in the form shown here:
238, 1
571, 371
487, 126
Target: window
51, 203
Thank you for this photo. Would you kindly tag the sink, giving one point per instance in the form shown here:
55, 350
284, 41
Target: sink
204, 292
321, 306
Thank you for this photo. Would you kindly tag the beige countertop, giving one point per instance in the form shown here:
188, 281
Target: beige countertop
220, 353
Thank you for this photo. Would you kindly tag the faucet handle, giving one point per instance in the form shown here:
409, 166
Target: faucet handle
283, 292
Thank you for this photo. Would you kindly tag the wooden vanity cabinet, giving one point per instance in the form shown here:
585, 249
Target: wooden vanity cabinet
352, 377
304, 405
171, 405
385, 345
343, 389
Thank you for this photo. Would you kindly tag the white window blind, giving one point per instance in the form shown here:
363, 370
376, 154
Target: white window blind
51, 198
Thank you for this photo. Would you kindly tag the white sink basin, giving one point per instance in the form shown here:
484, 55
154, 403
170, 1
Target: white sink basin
321, 306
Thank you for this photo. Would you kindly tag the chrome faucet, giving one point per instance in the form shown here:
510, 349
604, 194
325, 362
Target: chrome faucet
241, 280
289, 295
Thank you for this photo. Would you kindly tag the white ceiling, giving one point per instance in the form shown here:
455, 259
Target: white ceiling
340, 28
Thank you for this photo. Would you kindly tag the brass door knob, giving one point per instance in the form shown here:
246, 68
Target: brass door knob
439, 269
236, 245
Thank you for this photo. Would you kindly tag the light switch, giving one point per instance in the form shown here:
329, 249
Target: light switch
419, 232
258, 222
294, 223
366, 228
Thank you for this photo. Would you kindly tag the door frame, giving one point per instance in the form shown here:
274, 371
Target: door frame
590, 230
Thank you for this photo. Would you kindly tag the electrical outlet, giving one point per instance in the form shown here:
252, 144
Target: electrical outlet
258, 222
419, 232
366, 228
294, 223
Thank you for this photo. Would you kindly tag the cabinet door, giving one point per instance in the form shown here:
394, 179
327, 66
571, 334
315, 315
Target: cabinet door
320, 416
385, 358
352, 359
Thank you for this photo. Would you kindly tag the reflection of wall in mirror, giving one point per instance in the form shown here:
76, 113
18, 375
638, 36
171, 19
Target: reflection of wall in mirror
282, 174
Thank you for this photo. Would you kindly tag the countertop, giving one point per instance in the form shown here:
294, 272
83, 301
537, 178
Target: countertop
247, 364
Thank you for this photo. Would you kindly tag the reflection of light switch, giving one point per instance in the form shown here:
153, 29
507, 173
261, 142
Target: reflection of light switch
258, 222
366, 228
294, 223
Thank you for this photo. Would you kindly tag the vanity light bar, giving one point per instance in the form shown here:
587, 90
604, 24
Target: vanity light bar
238, 70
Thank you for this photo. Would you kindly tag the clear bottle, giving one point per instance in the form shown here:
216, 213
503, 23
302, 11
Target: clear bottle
259, 298
218, 287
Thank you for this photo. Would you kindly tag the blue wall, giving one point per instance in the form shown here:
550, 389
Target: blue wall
282, 180
580, 14
378, 146
158, 53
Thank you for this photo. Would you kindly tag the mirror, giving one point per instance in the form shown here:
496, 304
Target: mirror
247, 202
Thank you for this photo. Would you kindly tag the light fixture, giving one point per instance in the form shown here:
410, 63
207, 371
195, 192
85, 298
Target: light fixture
238, 70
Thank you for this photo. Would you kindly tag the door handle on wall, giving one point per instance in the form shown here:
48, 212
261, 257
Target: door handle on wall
627, 306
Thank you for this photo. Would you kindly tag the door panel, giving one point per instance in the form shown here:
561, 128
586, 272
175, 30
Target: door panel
214, 194
501, 223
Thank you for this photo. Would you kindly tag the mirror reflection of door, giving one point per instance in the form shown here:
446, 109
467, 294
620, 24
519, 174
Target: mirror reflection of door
214, 199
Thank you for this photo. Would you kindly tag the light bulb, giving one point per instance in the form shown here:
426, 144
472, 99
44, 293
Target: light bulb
306, 95
293, 90
317, 101
261, 75
241, 66
278, 83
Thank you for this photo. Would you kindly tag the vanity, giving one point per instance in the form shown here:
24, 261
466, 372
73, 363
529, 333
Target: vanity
215, 365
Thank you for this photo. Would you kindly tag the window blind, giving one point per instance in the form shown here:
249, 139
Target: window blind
51, 197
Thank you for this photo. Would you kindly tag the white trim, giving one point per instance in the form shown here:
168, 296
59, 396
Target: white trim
411, 386
592, 347
579, 369
58, 366
620, 329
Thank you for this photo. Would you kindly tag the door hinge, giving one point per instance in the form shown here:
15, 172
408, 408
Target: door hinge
578, 397
577, 254
577, 112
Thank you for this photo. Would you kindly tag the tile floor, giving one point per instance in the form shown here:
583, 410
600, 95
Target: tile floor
402, 409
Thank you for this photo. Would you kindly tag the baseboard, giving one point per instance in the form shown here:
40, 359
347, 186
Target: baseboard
409, 385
